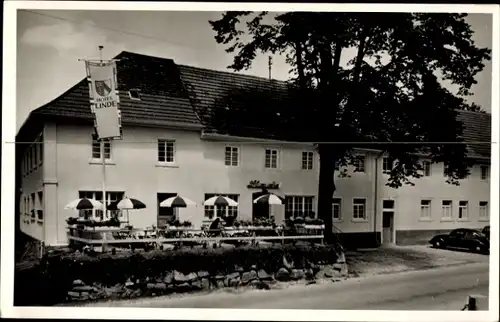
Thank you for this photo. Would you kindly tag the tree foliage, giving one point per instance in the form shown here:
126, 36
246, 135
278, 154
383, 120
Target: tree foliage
388, 96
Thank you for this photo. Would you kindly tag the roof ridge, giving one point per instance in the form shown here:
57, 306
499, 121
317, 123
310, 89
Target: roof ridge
236, 74
473, 112
126, 52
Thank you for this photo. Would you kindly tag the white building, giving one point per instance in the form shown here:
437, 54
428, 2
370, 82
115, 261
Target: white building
166, 151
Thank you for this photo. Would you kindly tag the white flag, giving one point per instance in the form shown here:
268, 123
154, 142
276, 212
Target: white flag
104, 98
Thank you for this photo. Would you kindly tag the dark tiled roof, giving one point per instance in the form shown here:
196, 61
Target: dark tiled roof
477, 131
163, 98
209, 91
181, 94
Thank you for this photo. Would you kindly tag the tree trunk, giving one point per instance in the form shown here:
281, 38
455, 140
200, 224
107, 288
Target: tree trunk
325, 189
300, 64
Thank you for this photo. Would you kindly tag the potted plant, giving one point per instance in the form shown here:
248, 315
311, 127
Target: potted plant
299, 221
71, 221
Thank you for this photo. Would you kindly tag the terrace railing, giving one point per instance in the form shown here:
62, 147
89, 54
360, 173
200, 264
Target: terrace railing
108, 236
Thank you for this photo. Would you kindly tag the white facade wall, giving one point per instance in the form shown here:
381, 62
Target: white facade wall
199, 168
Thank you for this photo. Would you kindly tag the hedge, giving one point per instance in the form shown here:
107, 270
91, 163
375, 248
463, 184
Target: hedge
49, 282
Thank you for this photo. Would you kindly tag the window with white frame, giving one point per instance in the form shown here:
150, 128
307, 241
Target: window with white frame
387, 165
446, 209
337, 208
426, 168
483, 210
484, 172
231, 156
40, 206
166, 151
307, 160
463, 207
96, 148
33, 207
271, 159
299, 206
111, 196
222, 211
134, 94
359, 209
425, 209
359, 163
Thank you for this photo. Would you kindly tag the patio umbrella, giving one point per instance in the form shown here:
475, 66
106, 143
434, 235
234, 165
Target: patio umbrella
177, 202
220, 201
130, 203
270, 199
84, 204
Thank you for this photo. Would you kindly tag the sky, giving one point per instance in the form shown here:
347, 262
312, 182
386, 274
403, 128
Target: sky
50, 42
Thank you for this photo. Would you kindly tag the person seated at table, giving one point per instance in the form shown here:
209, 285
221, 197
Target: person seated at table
215, 228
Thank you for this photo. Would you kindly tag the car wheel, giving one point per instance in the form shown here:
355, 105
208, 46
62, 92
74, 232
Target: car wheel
438, 244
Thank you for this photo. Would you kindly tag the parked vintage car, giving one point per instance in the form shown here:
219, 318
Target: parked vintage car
471, 239
486, 231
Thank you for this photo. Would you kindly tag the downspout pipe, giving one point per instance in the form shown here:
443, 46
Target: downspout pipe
375, 197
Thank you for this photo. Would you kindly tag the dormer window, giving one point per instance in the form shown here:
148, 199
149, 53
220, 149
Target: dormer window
134, 94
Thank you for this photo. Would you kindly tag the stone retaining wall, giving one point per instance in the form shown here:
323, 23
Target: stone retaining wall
177, 282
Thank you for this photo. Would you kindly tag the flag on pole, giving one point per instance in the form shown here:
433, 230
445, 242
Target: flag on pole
104, 99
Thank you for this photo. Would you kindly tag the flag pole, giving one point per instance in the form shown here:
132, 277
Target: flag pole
103, 160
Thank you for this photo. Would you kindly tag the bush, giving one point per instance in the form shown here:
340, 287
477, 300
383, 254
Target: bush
314, 221
174, 223
50, 281
187, 224
113, 222
299, 221
264, 222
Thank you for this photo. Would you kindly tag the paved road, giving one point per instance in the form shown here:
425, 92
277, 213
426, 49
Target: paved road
436, 289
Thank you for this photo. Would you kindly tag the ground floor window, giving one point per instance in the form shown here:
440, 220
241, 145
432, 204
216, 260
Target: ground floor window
40, 206
359, 209
26, 209
446, 208
222, 212
425, 209
165, 214
33, 207
337, 208
111, 196
483, 210
463, 212
299, 206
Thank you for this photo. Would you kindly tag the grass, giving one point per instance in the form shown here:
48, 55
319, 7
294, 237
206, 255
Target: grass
388, 260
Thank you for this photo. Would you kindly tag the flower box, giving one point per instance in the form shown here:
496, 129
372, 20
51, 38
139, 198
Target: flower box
314, 226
